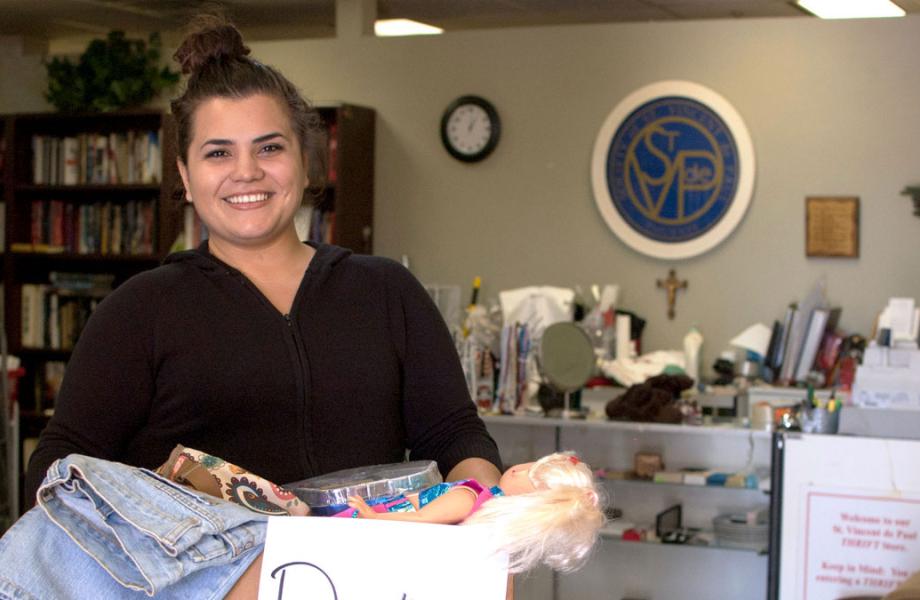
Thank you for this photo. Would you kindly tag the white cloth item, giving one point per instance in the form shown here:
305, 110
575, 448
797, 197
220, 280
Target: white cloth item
632, 371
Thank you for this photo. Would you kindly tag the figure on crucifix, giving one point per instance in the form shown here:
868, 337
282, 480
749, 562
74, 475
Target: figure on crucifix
671, 285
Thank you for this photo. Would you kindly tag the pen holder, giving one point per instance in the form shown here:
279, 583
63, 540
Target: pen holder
819, 420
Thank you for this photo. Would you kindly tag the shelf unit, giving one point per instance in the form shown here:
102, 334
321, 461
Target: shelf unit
135, 213
349, 191
649, 569
9, 426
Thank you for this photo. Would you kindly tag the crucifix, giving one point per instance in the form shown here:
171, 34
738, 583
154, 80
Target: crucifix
671, 285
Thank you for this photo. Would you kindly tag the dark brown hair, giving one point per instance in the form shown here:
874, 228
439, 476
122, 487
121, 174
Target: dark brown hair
218, 65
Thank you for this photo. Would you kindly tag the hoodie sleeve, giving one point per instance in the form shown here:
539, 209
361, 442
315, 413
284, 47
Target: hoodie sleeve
440, 418
107, 389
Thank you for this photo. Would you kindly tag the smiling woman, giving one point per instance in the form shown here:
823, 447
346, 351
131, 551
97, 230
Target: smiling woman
245, 174
290, 359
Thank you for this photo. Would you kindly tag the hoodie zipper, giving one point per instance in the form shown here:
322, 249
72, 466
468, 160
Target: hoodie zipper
303, 370
301, 377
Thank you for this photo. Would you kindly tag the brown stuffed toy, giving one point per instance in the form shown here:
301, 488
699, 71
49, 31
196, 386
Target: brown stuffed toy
655, 400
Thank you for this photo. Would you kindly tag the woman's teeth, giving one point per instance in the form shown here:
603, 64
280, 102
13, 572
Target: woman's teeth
247, 198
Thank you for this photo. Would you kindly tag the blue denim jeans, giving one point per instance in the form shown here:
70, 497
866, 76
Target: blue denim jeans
107, 530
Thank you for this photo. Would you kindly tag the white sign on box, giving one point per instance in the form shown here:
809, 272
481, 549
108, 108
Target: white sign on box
325, 558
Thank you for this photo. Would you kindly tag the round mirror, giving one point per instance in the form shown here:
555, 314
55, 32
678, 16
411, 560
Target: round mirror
566, 356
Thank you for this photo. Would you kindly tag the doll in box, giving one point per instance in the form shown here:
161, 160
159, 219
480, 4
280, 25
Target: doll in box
547, 511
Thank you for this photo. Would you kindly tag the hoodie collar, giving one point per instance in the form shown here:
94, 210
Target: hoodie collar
327, 256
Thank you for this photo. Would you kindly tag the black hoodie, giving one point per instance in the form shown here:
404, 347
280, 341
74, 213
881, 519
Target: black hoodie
193, 353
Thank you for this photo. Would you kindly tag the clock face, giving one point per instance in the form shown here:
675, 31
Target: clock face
470, 128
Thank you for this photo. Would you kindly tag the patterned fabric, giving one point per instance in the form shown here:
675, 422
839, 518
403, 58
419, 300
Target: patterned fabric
214, 476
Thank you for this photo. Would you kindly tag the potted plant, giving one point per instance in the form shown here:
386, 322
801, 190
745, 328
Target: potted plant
111, 74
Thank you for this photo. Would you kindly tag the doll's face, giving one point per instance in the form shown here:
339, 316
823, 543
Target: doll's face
516, 480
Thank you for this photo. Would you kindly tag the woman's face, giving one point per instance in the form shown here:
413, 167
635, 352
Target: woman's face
246, 172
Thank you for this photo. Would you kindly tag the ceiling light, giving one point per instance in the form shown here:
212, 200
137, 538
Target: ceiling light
852, 9
398, 27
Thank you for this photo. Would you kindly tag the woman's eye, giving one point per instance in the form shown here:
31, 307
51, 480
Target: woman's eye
271, 148
219, 153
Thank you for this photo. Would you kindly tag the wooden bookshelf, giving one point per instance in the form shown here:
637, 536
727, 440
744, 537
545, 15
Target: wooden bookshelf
113, 201
37, 246
349, 192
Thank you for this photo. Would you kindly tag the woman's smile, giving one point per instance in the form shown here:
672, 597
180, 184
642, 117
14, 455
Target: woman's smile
248, 200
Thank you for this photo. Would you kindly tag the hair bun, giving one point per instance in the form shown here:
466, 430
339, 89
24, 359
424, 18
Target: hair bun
211, 38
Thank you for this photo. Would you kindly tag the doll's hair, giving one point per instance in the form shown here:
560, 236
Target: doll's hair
557, 524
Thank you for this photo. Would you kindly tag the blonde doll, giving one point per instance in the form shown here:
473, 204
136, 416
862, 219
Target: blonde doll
548, 511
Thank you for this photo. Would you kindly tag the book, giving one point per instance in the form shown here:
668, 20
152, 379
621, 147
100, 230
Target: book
26, 328
696, 476
53, 377
814, 333
829, 355
776, 338
823, 321
784, 335
793, 344
101, 159
71, 152
668, 477
37, 248
33, 315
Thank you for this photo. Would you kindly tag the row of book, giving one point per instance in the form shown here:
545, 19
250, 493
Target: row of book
133, 157
54, 313
807, 341
194, 231
47, 383
322, 226
93, 228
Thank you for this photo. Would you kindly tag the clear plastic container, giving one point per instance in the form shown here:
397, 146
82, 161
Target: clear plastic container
328, 494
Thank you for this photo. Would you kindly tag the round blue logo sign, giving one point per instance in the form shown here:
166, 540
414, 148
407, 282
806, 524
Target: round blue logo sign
671, 177
672, 169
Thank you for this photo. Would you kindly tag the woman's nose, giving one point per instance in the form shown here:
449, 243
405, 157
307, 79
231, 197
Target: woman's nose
247, 168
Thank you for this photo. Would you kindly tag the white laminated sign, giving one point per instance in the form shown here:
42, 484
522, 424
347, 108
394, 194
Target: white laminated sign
326, 558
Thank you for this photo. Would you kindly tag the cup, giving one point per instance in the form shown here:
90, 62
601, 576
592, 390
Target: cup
820, 420
762, 416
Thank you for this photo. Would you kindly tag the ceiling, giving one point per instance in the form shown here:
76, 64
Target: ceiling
280, 19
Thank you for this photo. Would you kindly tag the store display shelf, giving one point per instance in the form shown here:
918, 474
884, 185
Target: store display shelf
720, 429
703, 543
665, 485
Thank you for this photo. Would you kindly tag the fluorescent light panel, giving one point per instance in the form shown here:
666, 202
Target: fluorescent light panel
399, 27
852, 9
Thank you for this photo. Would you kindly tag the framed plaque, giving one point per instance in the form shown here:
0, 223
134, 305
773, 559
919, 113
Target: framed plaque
832, 226
673, 169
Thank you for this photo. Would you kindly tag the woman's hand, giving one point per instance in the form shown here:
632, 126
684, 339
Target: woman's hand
364, 511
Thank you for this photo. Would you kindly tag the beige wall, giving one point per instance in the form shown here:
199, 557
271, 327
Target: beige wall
22, 75
832, 108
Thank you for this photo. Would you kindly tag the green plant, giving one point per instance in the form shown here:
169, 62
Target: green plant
113, 73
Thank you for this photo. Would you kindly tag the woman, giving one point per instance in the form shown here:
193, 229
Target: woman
288, 359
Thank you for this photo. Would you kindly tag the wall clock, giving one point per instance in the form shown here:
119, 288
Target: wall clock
470, 128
